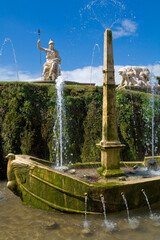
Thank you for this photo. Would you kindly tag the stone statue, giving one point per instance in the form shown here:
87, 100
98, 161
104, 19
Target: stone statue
134, 76
51, 68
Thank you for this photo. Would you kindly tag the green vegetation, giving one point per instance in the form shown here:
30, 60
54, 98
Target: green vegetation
158, 78
135, 124
26, 121
28, 114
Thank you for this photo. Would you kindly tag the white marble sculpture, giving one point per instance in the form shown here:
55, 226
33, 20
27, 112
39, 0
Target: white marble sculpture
134, 76
51, 68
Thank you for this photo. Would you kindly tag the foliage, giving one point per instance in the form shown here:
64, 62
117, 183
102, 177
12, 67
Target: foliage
158, 78
24, 113
28, 114
92, 129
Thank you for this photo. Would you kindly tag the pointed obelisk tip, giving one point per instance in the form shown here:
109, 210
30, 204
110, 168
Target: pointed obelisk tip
108, 29
108, 34
108, 50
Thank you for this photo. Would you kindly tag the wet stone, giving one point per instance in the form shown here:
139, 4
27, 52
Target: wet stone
86, 176
53, 226
152, 161
122, 178
135, 167
152, 164
86, 232
72, 171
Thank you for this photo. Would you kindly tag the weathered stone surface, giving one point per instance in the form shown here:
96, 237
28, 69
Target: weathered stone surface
152, 164
43, 187
150, 161
110, 145
134, 76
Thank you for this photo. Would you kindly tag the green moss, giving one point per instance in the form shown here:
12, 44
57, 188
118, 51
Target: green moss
85, 165
110, 173
107, 185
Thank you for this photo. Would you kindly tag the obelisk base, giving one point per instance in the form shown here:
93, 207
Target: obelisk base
110, 160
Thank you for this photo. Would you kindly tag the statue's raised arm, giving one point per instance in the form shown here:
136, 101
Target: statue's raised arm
39, 47
51, 69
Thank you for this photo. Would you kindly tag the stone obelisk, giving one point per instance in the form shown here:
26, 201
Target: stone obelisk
110, 145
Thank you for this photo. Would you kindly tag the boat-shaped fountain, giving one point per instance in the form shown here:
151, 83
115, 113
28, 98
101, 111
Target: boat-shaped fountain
37, 183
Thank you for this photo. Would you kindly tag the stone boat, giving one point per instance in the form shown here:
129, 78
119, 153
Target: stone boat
38, 184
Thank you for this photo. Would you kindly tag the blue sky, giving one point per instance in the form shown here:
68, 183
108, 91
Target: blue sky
76, 26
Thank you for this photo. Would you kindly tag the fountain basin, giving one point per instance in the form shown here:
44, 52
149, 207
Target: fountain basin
38, 184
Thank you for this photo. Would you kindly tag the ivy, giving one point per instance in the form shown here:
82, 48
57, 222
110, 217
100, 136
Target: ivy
28, 115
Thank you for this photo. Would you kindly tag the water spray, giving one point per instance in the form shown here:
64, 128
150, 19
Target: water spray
148, 203
110, 226
14, 54
85, 223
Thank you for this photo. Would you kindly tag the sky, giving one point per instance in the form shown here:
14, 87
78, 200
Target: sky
77, 28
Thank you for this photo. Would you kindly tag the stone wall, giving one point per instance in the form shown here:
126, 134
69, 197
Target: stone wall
28, 114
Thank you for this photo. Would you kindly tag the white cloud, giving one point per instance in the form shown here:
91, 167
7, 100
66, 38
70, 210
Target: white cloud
89, 75
81, 75
8, 74
84, 75
27, 77
126, 28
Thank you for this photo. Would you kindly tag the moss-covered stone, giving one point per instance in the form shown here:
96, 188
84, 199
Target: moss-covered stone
110, 173
44, 187
108, 184
85, 165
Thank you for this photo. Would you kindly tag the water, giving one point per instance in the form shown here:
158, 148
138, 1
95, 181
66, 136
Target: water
153, 82
96, 45
58, 127
134, 121
104, 12
154, 217
133, 222
109, 225
126, 204
14, 54
149, 206
85, 223
22, 222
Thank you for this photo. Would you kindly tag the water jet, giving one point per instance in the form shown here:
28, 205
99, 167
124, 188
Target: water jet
14, 54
